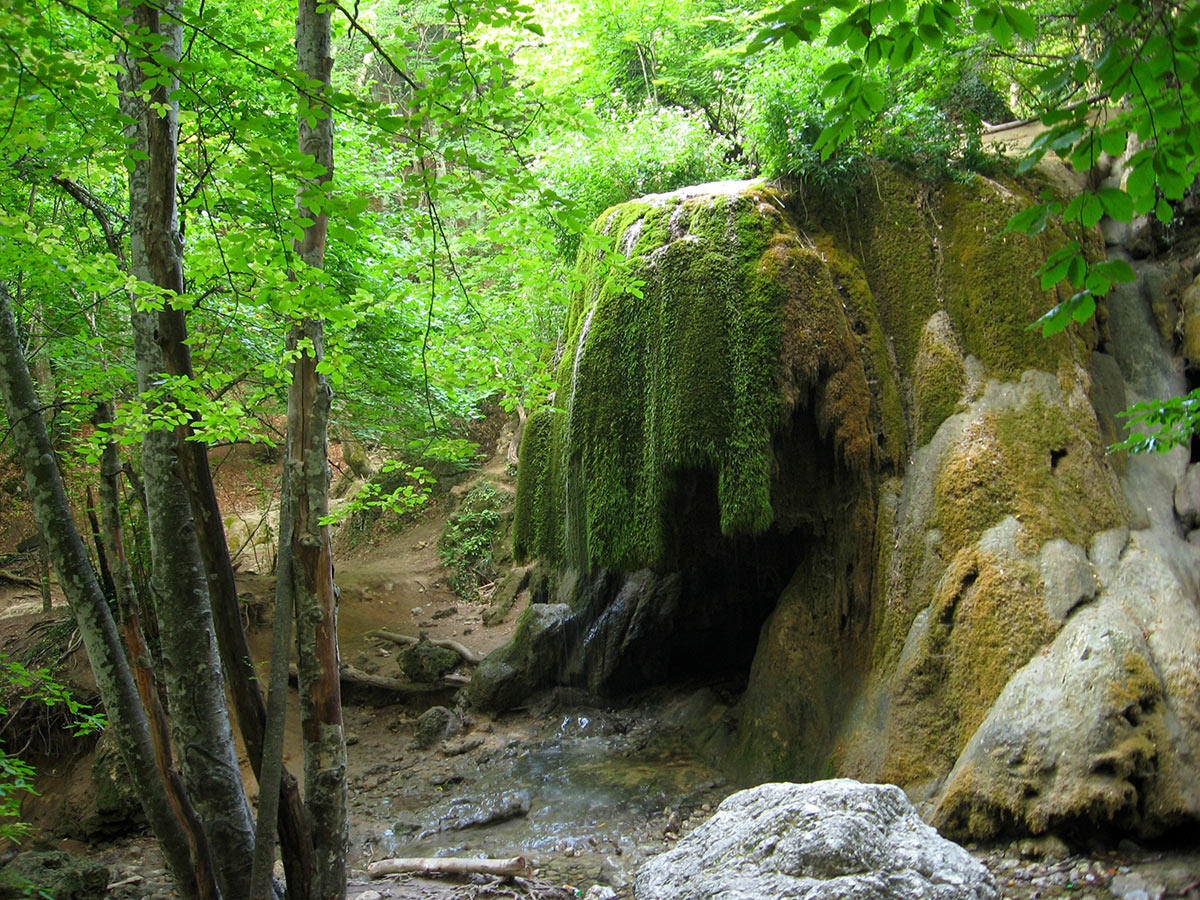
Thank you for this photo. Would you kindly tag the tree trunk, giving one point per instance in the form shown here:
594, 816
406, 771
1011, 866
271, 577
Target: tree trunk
272, 753
192, 670
307, 498
44, 576
294, 833
78, 582
143, 669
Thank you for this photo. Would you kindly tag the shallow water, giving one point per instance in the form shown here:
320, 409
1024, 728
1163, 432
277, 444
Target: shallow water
587, 788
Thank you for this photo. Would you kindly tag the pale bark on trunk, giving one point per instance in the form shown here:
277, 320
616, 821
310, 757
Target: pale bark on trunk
143, 668
78, 582
311, 561
248, 705
192, 673
44, 577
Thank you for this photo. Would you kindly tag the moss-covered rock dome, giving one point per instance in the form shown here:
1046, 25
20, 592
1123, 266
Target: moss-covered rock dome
818, 445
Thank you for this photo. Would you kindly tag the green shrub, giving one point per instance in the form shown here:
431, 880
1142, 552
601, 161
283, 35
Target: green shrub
468, 545
633, 152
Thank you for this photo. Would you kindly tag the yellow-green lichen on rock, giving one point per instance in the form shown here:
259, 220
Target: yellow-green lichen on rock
962, 600
1117, 752
1038, 460
991, 291
933, 249
939, 376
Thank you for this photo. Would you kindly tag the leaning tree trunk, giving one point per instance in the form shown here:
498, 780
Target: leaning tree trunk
192, 670
78, 581
307, 499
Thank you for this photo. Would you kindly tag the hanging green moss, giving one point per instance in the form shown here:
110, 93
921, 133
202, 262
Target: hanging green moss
671, 361
690, 340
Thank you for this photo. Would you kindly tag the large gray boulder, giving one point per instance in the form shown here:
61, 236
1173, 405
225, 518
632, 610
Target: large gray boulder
819, 841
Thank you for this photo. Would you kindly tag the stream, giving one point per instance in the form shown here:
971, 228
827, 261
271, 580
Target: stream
585, 795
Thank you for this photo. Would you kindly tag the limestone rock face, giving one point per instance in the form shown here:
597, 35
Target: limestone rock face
1101, 726
827, 840
826, 452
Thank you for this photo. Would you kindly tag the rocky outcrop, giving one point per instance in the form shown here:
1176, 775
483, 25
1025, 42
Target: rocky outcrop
824, 449
827, 840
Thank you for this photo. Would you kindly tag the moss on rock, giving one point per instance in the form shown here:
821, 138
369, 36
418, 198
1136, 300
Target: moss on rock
939, 376
688, 344
991, 292
986, 619
1039, 461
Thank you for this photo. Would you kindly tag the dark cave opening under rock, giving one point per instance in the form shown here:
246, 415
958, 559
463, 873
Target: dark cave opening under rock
720, 592
701, 616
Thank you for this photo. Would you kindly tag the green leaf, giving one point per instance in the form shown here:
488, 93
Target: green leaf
1022, 23
1077, 271
839, 33
1082, 306
1116, 270
985, 18
1113, 141
1030, 221
1117, 204
1074, 209
1056, 265
931, 36
1163, 211
1002, 31
1092, 211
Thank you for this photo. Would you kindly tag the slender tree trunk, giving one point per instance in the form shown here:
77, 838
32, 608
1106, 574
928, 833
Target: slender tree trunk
272, 768
192, 669
143, 669
106, 577
78, 581
295, 836
307, 498
44, 576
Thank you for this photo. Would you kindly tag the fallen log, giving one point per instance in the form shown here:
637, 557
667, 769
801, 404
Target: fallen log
353, 678
405, 640
17, 578
449, 866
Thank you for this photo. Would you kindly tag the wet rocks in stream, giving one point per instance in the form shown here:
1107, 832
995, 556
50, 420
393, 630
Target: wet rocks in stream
435, 725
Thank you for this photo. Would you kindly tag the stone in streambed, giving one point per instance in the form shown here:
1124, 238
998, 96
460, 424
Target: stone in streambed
821, 841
